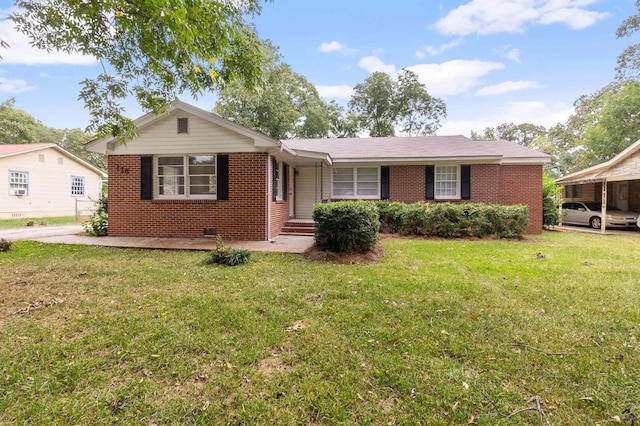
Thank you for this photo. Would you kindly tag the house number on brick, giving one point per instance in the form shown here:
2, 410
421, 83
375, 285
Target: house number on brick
121, 169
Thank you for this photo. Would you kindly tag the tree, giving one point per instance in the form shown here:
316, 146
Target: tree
629, 60
372, 103
523, 134
341, 124
381, 104
153, 50
564, 148
608, 121
286, 106
19, 127
16, 126
418, 112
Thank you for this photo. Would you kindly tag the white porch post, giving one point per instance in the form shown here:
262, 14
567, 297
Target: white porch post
603, 213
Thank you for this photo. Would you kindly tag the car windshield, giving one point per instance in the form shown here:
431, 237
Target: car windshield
598, 207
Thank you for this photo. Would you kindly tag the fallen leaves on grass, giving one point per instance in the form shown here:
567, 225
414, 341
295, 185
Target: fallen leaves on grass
39, 304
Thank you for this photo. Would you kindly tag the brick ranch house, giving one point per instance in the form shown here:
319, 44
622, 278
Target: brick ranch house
191, 173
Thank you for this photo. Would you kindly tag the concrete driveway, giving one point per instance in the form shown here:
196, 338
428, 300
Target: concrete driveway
75, 234
37, 232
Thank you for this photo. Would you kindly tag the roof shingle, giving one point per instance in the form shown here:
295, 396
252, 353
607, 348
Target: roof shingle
427, 147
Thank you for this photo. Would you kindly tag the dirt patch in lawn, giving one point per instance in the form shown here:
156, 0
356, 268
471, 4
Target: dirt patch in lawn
372, 256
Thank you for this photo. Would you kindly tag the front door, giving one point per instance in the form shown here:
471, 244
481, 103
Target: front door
306, 192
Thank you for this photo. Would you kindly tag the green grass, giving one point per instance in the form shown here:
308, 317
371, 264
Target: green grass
438, 332
19, 223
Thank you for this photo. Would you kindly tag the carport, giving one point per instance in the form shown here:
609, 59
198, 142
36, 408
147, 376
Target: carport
617, 181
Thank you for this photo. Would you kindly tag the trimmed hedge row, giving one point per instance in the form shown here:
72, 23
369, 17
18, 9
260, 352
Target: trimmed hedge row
346, 226
454, 220
353, 226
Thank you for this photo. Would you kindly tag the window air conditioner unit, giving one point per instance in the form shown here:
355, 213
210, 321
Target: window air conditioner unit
19, 192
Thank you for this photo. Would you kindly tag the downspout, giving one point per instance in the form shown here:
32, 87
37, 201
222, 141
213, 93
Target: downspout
268, 198
321, 182
603, 213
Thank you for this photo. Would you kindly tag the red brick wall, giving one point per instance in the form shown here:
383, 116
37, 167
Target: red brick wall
490, 183
484, 183
406, 183
523, 185
242, 217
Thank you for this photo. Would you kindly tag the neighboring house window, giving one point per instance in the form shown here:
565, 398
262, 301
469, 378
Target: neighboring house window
574, 191
447, 182
183, 125
186, 176
18, 183
356, 182
77, 186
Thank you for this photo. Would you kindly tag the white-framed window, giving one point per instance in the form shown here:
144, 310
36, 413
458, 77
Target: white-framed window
77, 186
18, 183
278, 175
356, 182
186, 176
447, 182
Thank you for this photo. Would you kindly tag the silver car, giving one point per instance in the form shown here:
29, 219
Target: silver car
588, 213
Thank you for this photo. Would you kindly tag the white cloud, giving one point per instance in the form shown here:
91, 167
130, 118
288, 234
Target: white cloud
514, 55
373, 64
507, 87
495, 16
21, 52
535, 112
573, 17
14, 86
334, 46
335, 92
453, 77
420, 54
433, 50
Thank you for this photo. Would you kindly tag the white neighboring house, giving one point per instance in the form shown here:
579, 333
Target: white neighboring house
45, 180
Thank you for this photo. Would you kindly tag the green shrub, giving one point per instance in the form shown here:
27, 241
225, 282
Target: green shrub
98, 223
346, 226
464, 220
5, 245
550, 201
390, 214
223, 255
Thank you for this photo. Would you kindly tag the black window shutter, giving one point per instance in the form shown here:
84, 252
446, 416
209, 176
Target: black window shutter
274, 170
465, 182
146, 178
429, 182
384, 182
285, 181
223, 177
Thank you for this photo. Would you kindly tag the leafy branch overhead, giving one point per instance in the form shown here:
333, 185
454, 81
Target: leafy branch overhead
153, 50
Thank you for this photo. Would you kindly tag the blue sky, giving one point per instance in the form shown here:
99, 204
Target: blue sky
491, 61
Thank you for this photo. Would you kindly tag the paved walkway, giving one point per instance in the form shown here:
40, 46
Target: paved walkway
74, 234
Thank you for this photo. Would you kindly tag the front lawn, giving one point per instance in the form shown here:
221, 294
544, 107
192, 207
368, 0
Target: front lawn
439, 332
22, 222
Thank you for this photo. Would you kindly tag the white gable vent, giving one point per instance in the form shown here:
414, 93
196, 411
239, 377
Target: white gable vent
183, 125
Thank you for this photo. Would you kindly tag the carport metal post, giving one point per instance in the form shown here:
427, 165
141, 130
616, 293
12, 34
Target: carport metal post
603, 213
